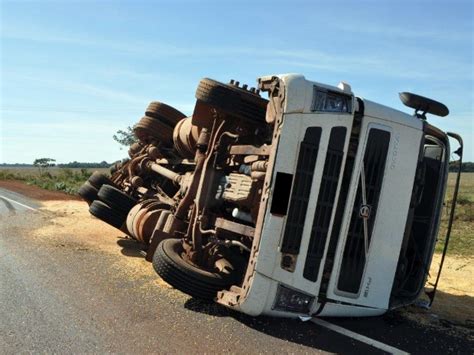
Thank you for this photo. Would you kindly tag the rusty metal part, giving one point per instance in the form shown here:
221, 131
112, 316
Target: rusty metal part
203, 140
260, 165
238, 188
136, 181
202, 188
133, 167
132, 215
167, 173
165, 161
173, 224
277, 98
257, 175
229, 243
158, 234
249, 159
143, 190
188, 198
141, 167
185, 136
121, 172
250, 150
237, 228
162, 196
140, 215
130, 218
161, 222
147, 224
259, 169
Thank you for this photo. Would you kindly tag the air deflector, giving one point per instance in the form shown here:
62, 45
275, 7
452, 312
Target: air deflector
423, 105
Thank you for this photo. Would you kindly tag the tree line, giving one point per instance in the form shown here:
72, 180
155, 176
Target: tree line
467, 167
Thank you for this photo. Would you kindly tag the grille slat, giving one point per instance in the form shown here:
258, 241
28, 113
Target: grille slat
354, 258
325, 203
301, 189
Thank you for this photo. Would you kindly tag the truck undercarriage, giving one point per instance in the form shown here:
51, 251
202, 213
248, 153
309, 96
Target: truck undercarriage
197, 191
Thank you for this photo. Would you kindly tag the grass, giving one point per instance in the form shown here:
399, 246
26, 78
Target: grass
55, 179
462, 234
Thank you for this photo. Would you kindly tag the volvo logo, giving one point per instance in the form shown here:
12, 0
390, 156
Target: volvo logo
364, 211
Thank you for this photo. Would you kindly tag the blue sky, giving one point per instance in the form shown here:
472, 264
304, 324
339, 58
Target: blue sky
74, 72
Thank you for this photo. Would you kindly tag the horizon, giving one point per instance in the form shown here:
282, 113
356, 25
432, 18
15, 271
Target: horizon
68, 83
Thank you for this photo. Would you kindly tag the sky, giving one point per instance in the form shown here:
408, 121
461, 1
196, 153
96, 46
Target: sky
75, 72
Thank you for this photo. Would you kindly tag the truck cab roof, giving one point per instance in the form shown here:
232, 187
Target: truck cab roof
299, 94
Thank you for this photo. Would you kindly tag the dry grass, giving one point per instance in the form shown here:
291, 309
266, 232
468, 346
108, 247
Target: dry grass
462, 235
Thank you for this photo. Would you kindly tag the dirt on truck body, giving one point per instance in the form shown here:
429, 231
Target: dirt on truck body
313, 202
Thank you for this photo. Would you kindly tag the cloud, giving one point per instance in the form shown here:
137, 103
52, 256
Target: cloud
27, 33
390, 59
79, 87
382, 30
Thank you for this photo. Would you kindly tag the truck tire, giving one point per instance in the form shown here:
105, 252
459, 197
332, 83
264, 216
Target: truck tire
164, 112
98, 179
117, 199
168, 262
88, 192
232, 100
151, 127
107, 214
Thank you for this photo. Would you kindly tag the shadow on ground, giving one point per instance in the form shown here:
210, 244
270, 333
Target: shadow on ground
131, 248
291, 330
395, 328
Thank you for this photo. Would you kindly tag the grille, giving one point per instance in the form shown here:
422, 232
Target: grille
325, 204
354, 257
301, 189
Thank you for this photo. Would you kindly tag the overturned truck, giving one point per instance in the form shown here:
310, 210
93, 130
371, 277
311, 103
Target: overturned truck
313, 202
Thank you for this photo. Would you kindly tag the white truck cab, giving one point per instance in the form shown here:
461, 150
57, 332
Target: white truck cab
351, 209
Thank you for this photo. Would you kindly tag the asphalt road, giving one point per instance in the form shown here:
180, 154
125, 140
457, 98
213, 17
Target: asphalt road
59, 299
12, 202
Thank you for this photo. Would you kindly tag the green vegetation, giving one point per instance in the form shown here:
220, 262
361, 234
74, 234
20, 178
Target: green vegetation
55, 179
43, 163
74, 164
125, 137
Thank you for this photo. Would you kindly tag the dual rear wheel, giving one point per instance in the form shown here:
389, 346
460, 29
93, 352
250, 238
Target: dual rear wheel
106, 201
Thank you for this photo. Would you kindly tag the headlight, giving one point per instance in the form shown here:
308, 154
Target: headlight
292, 301
329, 101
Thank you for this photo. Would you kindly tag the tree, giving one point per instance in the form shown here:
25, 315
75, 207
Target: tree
43, 164
125, 137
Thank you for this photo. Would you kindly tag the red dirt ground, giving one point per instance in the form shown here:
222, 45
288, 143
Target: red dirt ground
35, 192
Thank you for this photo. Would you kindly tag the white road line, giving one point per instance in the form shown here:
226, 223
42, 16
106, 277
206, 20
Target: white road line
18, 203
359, 337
